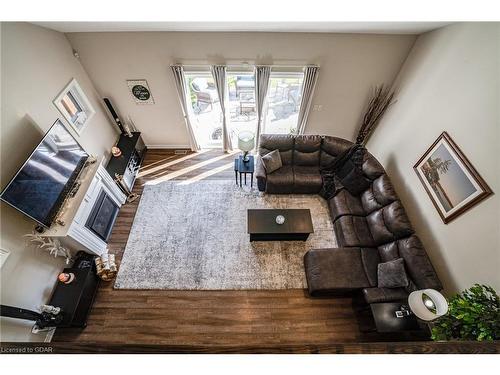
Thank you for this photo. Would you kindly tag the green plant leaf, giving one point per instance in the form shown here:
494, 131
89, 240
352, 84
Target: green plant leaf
473, 314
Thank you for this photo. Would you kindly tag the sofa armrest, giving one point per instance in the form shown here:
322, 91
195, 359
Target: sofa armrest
260, 173
380, 295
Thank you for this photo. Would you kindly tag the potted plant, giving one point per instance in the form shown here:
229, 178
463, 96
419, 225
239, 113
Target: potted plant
473, 314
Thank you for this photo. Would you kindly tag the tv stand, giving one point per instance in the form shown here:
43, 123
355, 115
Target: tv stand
124, 168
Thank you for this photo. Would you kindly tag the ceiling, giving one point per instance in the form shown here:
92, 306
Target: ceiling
315, 27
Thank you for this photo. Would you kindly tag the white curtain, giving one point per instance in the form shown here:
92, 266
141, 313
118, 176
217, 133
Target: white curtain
262, 74
180, 85
219, 74
308, 86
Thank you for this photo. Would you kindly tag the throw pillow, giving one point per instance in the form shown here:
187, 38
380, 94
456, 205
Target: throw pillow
272, 161
392, 274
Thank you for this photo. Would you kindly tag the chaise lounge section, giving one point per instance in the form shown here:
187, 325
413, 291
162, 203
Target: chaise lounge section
371, 228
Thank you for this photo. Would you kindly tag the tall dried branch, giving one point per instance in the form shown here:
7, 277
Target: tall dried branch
380, 100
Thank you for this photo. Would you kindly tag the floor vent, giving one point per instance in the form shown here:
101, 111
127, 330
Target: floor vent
180, 152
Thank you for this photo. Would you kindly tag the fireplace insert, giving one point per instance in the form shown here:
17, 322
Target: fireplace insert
103, 216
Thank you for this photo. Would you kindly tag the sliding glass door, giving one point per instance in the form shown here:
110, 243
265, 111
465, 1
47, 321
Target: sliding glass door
205, 111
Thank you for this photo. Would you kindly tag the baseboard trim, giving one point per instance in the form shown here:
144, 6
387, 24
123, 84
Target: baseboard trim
168, 146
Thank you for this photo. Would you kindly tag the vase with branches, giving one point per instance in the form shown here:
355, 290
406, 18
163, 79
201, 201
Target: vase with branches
381, 99
51, 245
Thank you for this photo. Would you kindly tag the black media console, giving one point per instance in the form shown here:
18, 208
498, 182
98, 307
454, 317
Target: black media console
76, 299
125, 167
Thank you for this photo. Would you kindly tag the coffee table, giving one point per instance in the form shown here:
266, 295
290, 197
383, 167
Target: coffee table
262, 225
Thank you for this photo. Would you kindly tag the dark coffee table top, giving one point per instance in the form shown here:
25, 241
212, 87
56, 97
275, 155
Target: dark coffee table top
263, 221
385, 318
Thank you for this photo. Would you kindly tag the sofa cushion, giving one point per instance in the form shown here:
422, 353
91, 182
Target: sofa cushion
344, 203
307, 180
392, 274
272, 161
331, 147
280, 181
388, 251
379, 295
389, 223
307, 149
333, 270
379, 194
417, 263
371, 167
282, 142
353, 231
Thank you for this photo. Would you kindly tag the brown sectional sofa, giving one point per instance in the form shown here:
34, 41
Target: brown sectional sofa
371, 228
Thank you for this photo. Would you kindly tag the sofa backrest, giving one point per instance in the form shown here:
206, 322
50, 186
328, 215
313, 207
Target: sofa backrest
282, 142
307, 150
331, 147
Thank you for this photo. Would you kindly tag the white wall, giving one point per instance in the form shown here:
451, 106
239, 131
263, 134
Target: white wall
350, 65
450, 82
36, 64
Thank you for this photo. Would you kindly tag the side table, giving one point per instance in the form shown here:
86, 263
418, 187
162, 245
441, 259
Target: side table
242, 168
385, 318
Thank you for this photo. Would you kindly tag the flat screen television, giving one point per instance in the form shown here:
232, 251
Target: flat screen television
40, 187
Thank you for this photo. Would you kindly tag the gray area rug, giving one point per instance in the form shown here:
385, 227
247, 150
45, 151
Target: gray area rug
194, 236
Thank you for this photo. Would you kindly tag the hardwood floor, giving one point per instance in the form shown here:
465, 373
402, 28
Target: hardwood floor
208, 318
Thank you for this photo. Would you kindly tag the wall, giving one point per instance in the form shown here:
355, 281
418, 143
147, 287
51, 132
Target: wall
36, 64
350, 65
450, 82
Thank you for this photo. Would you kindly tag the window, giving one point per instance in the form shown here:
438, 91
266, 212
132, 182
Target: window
205, 112
74, 106
283, 102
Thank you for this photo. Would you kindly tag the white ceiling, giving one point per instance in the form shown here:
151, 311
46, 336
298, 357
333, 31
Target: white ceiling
315, 27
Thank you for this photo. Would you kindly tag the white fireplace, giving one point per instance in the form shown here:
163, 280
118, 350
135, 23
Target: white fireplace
75, 225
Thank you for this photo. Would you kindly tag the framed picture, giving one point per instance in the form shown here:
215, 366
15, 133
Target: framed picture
74, 106
140, 91
451, 181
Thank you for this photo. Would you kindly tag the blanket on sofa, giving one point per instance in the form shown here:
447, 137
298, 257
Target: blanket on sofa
333, 173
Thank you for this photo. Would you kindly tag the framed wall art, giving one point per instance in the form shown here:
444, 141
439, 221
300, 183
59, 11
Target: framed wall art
140, 91
449, 179
74, 106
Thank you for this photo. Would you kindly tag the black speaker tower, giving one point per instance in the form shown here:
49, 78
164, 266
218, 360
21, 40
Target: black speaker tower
114, 115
